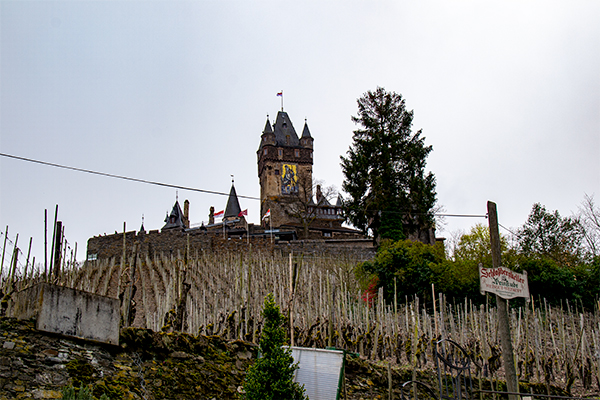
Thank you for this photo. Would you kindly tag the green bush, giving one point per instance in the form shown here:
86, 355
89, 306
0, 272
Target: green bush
271, 376
406, 264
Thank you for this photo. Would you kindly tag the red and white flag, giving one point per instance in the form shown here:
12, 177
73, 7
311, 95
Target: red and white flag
267, 215
220, 214
245, 212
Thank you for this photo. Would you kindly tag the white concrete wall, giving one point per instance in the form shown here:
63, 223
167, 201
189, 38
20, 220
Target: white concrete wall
69, 312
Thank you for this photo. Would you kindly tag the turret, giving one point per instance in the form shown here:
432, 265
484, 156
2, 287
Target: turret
306, 140
232, 210
268, 137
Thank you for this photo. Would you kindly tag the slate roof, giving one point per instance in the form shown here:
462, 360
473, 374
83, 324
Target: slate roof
268, 128
175, 219
283, 128
233, 205
305, 131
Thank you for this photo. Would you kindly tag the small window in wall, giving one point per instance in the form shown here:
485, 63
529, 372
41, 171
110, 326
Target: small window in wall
265, 152
276, 172
327, 234
280, 152
297, 153
92, 256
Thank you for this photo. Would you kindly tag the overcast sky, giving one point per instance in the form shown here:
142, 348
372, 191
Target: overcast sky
507, 92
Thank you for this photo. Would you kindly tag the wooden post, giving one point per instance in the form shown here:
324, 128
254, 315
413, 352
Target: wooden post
12, 266
434, 311
128, 290
53, 240
75, 254
291, 306
45, 243
389, 373
503, 322
3, 252
329, 307
28, 254
57, 248
122, 265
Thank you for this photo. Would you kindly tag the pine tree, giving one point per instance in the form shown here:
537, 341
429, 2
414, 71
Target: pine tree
271, 376
389, 191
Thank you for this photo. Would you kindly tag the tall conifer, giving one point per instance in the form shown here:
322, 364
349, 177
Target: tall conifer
389, 191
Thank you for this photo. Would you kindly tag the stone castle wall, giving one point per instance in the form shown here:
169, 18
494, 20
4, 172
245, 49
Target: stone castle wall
175, 242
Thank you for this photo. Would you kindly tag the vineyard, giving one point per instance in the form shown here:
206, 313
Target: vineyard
222, 294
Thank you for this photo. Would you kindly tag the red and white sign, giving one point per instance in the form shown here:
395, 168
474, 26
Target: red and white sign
503, 282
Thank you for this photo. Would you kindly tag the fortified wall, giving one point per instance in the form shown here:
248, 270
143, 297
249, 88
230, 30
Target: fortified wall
175, 243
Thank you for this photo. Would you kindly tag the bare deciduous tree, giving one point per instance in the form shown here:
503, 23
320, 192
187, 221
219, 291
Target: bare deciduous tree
300, 204
589, 217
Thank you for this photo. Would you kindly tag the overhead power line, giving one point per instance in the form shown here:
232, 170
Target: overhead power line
127, 178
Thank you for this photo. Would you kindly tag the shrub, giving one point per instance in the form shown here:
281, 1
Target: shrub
271, 376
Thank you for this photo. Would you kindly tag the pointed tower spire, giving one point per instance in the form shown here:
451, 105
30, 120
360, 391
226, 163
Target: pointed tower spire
268, 136
142, 230
306, 140
268, 128
233, 209
175, 219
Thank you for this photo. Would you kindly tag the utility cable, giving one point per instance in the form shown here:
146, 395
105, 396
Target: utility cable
123, 177
199, 190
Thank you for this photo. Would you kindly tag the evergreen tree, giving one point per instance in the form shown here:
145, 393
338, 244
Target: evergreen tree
385, 170
271, 376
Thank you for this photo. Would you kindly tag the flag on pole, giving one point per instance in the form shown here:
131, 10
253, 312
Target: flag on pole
245, 212
220, 214
280, 94
267, 215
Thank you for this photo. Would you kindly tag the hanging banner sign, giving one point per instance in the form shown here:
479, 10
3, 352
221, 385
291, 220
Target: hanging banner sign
503, 282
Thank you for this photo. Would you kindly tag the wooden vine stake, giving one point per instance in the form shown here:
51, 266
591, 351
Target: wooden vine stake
503, 322
291, 302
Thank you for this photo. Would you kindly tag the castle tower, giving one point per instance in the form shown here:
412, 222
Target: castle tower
284, 167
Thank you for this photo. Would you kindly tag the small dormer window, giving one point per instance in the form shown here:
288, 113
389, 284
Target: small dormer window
287, 139
297, 153
280, 152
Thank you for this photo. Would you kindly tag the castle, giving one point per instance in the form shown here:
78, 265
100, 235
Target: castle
292, 207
